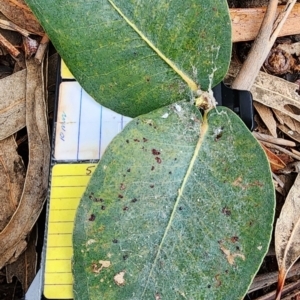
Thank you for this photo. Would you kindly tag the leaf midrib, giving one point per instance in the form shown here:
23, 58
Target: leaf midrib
203, 131
191, 83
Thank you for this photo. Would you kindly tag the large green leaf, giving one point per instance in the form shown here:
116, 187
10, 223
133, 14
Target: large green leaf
179, 207
135, 56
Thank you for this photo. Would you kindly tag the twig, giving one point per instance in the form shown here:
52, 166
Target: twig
264, 280
270, 139
11, 26
287, 289
273, 146
9, 47
269, 31
40, 53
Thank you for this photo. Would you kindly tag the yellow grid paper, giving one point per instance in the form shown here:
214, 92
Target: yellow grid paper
68, 183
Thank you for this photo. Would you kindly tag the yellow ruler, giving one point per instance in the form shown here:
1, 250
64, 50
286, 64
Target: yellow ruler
68, 183
83, 130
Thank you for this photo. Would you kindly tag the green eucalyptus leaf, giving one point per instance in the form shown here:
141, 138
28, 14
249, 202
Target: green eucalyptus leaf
179, 207
135, 56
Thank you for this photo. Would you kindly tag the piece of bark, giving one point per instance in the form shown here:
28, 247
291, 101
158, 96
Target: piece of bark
246, 22
267, 117
13, 237
19, 13
12, 177
12, 104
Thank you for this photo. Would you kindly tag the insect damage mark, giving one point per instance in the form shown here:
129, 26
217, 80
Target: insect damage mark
119, 278
102, 264
231, 256
238, 182
218, 133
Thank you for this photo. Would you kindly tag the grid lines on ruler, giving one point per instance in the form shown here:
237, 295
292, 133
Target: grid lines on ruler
68, 183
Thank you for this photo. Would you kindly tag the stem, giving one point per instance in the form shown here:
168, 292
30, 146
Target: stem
263, 43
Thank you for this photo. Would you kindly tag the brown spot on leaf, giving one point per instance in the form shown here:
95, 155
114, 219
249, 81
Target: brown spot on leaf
155, 152
218, 281
134, 200
120, 196
226, 211
152, 186
158, 160
152, 168
125, 208
92, 217
103, 207
137, 140
145, 140
122, 186
234, 239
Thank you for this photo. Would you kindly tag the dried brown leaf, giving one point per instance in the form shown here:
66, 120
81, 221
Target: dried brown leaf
287, 234
20, 14
24, 268
13, 237
275, 162
12, 104
272, 91
267, 117
294, 135
12, 177
285, 119
290, 48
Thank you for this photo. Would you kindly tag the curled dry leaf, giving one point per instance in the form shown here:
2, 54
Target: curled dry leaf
267, 117
13, 237
275, 162
287, 234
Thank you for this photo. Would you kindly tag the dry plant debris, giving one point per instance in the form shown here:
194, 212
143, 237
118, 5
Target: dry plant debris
23, 119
